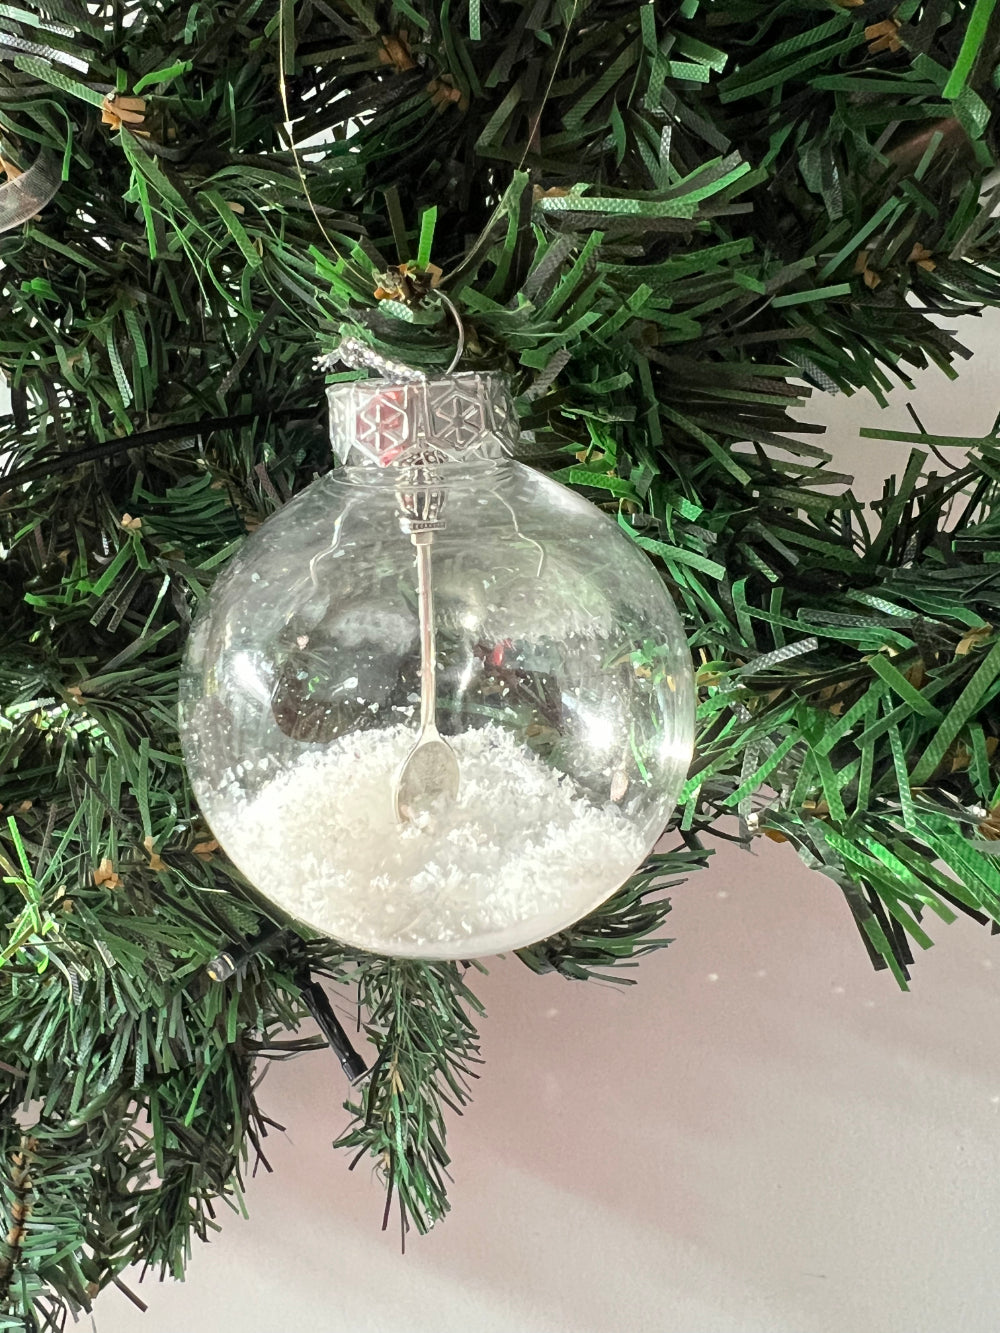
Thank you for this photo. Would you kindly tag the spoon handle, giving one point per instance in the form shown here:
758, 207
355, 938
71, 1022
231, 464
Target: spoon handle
428, 658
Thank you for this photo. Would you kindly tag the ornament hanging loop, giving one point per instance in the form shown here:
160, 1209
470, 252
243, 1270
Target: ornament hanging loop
452, 309
356, 354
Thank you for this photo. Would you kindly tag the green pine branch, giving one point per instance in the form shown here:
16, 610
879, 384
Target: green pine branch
420, 1018
623, 929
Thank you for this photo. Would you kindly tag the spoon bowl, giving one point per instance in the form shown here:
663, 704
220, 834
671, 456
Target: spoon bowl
427, 776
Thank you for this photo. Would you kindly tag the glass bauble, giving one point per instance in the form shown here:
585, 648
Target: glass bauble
563, 686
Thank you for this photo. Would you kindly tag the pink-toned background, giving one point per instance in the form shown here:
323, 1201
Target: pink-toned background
762, 1136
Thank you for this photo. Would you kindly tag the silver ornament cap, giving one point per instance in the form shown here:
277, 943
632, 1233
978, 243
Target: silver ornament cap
394, 421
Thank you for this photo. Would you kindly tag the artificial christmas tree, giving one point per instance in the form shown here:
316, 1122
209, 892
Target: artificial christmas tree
662, 222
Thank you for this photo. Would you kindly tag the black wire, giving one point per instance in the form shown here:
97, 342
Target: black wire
318, 1003
62, 462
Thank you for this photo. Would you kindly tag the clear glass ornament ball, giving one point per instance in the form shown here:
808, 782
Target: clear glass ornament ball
563, 686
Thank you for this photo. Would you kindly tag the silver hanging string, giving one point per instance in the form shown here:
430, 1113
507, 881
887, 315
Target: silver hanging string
357, 354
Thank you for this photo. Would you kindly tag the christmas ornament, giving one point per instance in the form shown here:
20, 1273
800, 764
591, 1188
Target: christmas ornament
415, 718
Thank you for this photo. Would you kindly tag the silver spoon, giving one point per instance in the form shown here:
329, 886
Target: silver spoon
429, 773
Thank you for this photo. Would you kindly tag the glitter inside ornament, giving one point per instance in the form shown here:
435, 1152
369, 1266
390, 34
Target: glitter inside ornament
563, 686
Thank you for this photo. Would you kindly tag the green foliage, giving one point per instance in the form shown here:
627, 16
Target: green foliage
621, 930
419, 1018
862, 724
659, 219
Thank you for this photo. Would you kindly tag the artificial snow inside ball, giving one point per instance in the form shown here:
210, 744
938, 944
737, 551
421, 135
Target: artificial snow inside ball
439, 706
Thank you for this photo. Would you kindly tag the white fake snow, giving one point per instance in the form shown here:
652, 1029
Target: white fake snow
521, 854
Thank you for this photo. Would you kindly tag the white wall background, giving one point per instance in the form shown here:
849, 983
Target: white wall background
763, 1136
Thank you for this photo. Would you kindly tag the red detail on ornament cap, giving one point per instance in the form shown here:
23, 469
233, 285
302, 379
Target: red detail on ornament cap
497, 655
382, 426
